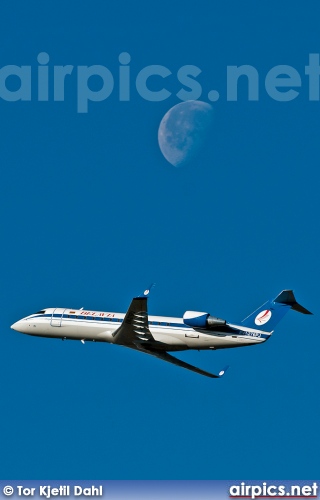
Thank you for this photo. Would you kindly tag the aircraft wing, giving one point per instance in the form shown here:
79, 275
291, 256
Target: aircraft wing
134, 328
171, 359
134, 333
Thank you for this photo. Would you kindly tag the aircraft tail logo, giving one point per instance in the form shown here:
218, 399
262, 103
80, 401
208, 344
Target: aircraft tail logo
263, 317
272, 311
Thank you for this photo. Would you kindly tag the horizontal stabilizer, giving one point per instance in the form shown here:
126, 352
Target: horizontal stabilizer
287, 297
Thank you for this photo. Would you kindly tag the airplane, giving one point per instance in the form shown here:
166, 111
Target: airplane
156, 335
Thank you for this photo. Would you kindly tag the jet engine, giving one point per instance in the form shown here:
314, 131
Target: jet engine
198, 319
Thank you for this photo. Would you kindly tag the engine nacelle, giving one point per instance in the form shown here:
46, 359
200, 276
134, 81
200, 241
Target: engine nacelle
198, 319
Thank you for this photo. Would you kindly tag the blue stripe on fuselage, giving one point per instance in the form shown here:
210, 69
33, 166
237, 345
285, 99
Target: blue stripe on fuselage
228, 331
102, 318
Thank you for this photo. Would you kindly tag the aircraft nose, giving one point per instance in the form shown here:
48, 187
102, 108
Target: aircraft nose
15, 326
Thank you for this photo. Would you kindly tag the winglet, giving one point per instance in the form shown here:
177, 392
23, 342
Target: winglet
222, 372
147, 291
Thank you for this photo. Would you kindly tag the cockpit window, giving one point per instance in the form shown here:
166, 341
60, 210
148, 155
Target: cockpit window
40, 312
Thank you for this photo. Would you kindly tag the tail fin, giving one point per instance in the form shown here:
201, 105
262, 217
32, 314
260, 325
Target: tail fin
271, 312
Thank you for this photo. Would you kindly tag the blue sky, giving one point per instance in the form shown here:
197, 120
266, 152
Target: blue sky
92, 213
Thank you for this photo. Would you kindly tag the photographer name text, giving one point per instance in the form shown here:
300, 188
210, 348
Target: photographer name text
48, 491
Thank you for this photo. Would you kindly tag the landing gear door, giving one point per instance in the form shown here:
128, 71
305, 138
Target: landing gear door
56, 317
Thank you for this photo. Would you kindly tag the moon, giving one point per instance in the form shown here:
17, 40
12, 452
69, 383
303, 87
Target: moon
183, 130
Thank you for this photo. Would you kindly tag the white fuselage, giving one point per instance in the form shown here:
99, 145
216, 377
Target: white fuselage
99, 326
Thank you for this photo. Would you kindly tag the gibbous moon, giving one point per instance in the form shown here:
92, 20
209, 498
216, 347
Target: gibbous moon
183, 131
